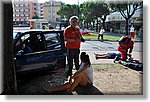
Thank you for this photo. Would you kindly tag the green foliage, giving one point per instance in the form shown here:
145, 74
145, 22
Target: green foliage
68, 10
126, 8
93, 10
35, 17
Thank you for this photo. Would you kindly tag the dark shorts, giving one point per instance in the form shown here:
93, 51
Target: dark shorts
113, 55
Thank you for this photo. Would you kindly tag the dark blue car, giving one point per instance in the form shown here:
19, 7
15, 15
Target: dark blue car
38, 51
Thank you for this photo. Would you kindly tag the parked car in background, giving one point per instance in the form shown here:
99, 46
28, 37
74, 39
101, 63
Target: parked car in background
38, 51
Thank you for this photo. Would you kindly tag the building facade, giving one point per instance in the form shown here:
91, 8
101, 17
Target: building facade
118, 23
23, 10
50, 10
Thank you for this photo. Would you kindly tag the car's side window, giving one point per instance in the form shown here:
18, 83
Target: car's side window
52, 41
37, 42
22, 46
26, 36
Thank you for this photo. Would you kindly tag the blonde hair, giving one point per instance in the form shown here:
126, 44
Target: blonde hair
73, 17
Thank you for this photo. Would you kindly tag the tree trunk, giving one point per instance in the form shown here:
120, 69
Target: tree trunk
97, 26
127, 28
103, 24
93, 25
10, 84
87, 25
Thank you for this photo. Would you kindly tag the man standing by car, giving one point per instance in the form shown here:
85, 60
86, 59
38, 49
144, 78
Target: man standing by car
73, 39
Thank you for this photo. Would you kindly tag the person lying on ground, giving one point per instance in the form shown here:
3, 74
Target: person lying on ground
129, 59
83, 77
109, 55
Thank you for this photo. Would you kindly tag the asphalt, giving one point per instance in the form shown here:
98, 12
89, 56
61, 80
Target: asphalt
135, 55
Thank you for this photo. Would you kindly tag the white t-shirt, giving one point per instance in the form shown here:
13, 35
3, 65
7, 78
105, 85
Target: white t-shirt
88, 71
132, 29
102, 31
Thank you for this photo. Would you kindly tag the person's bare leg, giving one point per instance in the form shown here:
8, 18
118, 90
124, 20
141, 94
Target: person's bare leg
101, 55
58, 88
82, 80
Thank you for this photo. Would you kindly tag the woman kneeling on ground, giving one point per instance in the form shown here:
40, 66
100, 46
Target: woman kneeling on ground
83, 76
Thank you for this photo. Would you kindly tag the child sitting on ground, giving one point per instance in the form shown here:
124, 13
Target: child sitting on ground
83, 76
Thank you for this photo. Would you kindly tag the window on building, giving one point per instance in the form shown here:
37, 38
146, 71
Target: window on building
22, 19
17, 15
22, 15
26, 9
17, 10
26, 4
17, 5
22, 10
26, 14
21, 4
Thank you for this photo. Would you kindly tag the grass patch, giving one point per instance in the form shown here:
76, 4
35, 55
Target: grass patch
116, 38
107, 66
95, 36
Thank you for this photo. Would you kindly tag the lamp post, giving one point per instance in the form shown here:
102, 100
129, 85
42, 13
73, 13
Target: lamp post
78, 8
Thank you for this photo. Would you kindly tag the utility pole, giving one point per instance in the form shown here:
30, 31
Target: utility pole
78, 8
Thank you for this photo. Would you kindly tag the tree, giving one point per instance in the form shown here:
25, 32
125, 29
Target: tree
101, 9
93, 10
86, 10
68, 10
126, 9
35, 17
10, 84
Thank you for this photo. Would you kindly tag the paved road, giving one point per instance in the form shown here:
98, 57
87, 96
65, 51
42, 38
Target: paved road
106, 46
92, 47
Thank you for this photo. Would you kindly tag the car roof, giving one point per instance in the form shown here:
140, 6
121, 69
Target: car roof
37, 30
22, 32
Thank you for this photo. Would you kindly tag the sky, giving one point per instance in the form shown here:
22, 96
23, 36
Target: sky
66, 1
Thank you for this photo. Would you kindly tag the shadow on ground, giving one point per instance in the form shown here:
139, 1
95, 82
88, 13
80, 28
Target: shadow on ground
88, 90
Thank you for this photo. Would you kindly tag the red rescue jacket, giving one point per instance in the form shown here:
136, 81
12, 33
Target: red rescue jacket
125, 43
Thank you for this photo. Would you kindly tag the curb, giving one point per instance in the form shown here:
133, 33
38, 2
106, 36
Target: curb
110, 40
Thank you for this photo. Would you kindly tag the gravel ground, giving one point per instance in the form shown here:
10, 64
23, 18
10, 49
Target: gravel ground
109, 79
118, 80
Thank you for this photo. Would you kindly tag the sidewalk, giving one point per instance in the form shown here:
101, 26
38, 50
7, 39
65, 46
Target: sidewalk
136, 56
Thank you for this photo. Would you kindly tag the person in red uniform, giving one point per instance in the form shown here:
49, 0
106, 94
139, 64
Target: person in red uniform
73, 39
125, 47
